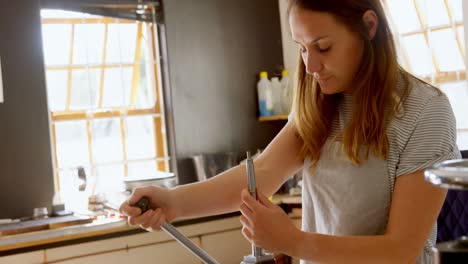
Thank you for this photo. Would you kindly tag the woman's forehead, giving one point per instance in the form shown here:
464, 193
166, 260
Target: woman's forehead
309, 26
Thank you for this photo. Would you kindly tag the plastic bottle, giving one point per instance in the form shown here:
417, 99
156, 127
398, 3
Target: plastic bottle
265, 97
276, 90
286, 93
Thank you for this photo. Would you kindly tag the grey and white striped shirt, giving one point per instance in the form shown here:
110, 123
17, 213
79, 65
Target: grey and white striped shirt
423, 133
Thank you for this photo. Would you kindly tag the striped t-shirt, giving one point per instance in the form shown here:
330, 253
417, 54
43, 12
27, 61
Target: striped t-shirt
423, 133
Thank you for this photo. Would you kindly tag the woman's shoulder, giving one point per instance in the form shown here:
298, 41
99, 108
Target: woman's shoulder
419, 89
426, 132
424, 106
421, 97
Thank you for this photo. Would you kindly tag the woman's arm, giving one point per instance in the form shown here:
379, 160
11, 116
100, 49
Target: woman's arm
414, 210
221, 194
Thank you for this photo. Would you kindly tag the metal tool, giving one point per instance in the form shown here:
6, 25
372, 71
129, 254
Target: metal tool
144, 205
451, 174
258, 255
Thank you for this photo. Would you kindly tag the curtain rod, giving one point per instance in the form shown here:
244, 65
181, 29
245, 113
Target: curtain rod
131, 10
121, 4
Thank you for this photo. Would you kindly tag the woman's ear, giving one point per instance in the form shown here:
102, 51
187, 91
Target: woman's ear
372, 22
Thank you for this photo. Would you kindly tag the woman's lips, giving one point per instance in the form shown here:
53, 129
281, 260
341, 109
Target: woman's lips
323, 80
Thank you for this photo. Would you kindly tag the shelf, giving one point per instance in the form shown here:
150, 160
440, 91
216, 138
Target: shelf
273, 118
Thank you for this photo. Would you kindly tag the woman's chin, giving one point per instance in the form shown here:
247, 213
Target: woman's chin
329, 90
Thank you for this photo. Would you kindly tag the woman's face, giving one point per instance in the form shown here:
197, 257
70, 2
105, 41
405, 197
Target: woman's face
330, 51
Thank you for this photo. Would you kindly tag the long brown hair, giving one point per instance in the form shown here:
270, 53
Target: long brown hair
375, 83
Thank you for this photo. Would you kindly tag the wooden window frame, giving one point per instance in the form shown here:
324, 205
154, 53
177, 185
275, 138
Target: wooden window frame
439, 76
161, 158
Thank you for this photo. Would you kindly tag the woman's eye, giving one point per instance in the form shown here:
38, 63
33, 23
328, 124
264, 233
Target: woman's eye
323, 50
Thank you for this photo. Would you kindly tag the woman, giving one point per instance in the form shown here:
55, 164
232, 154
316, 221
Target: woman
363, 130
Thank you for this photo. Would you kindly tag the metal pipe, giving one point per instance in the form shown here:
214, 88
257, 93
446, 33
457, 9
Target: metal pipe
188, 244
256, 251
144, 205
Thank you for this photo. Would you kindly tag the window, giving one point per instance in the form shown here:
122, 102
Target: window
104, 100
431, 42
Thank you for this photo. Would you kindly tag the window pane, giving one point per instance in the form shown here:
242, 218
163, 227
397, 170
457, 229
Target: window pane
117, 87
146, 97
446, 50
434, 12
457, 92
404, 15
74, 199
57, 42
88, 44
72, 144
109, 178
143, 169
457, 11
85, 89
57, 89
140, 137
419, 55
461, 35
107, 140
121, 43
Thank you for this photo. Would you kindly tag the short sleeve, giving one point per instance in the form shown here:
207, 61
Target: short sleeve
433, 138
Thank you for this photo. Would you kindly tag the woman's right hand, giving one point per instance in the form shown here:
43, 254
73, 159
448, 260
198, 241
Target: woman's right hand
161, 204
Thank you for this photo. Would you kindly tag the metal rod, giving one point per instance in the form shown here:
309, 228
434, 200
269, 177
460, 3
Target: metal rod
256, 251
188, 244
121, 4
144, 204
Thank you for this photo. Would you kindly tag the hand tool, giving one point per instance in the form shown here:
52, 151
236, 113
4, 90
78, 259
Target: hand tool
144, 204
258, 255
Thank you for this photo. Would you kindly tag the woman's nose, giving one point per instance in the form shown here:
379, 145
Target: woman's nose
312, 63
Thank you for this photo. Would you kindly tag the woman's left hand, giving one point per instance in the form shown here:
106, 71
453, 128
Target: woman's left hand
266, 225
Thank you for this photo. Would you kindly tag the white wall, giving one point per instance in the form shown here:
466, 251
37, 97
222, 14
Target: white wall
290, 48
